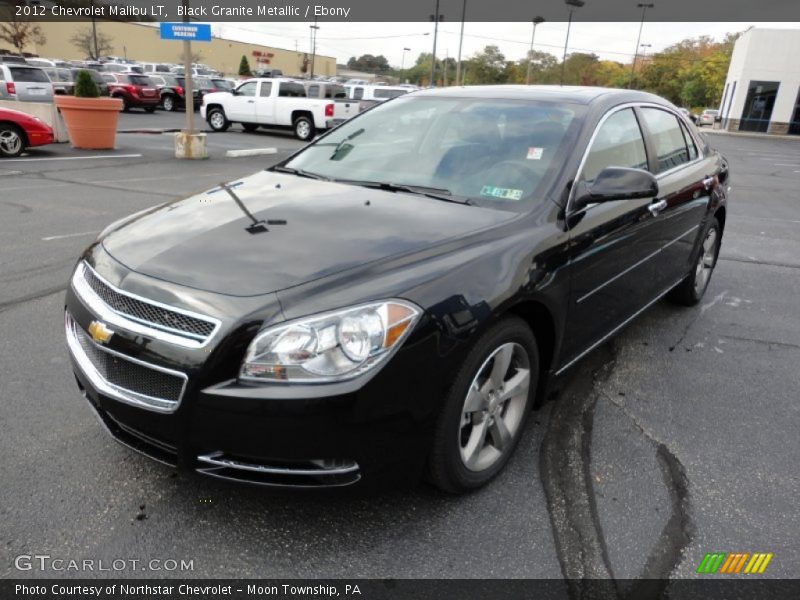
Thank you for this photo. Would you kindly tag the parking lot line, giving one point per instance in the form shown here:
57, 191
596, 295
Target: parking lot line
67, 235
95, 157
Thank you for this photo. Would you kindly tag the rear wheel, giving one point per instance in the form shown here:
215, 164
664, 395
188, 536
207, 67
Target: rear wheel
690, 291
12, 141
168, 102
125, 104
485, 411
249, 126
303, 128
217, 120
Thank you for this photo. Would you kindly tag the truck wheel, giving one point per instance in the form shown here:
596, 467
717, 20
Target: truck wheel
217, 120
168, 102
249, 126
303, 129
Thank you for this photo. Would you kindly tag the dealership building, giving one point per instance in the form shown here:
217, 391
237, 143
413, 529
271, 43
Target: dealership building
762, 91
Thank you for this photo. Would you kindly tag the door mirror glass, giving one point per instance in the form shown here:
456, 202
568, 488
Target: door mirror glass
617, 183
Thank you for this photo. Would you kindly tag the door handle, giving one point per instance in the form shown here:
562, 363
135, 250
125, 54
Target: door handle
657, 207
250, 101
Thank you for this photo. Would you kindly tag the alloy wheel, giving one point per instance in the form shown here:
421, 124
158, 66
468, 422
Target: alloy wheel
169, 103
217, 120
10, 142
494, 407
303, 130
706, 261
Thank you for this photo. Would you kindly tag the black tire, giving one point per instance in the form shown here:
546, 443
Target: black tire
690, 291
150, 109
168, 102
12, 141
447, 469
303, 128
217, 120
249, 127
125, 105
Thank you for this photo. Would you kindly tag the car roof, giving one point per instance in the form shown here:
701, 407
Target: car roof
570, 94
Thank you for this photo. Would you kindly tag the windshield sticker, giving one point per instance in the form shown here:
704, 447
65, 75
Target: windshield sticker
535, 153
502, 193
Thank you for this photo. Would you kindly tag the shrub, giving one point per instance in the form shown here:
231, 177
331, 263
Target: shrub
85, 87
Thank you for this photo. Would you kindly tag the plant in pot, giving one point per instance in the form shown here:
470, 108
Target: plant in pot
91, 120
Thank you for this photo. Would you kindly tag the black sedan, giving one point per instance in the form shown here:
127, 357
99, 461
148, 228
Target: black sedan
392, 301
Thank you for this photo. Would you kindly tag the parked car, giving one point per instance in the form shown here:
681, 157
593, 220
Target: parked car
708, 117
135, 91
152, 68
688, 114
392, 300
370, 95
222, 85
278, 103
123, 68
24, 83
13, 59
343, 107
63, 83
19, 130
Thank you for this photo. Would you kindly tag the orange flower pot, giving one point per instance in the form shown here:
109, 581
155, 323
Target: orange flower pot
91, 122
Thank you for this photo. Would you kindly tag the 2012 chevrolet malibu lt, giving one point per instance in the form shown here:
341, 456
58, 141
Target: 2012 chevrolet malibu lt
391, 301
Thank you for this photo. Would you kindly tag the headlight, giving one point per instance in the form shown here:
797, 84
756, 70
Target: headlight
332, 346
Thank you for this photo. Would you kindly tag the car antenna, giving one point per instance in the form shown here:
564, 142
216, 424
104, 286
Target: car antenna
257, 226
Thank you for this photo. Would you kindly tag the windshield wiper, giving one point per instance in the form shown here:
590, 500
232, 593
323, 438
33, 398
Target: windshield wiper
300, 173
422, 190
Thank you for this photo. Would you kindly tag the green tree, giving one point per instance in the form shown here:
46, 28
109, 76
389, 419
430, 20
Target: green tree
85, 87
244, 67
369, 63
487, 67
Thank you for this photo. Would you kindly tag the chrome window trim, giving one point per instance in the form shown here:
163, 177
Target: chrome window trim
632, 267
114, 391
131, 323
700, 148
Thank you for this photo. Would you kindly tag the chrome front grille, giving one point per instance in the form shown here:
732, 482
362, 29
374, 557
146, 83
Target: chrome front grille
141, 315
123, 377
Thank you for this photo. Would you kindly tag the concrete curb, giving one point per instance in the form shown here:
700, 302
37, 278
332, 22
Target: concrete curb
250, 152
759, 136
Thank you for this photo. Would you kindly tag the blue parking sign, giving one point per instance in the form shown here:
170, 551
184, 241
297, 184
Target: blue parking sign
194, 32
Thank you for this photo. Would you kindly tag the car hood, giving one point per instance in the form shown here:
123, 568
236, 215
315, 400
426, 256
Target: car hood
314, 229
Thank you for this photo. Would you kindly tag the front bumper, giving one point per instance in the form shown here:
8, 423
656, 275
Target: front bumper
373, 429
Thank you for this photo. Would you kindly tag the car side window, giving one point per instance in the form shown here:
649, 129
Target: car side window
358, 93
266, 89
668, 138
313, 91
618, 143
690, 145
247, 89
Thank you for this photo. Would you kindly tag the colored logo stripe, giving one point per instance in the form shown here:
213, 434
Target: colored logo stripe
734, 563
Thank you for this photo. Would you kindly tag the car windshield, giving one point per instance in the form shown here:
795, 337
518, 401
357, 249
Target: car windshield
488, 152
29, 75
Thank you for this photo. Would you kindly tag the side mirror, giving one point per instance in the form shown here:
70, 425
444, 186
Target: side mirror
617, 183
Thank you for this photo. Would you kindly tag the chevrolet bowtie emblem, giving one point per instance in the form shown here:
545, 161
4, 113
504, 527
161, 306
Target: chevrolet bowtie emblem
99, 332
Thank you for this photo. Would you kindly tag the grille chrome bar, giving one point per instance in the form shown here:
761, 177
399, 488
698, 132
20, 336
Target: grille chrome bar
141, 315
122, 377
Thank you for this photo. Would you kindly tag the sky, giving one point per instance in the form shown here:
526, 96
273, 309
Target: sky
611, 41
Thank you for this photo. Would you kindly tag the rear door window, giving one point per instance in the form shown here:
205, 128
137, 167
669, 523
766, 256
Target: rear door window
667, 137
290, 89
29, 75
266, 89
143, 80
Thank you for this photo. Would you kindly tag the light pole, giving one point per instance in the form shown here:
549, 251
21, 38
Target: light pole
314, 28
573, 4
435, 17
94, 33
536, 21
403, 64
460, 42
644, 8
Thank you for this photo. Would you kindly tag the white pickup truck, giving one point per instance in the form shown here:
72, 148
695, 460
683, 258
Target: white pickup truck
274, 103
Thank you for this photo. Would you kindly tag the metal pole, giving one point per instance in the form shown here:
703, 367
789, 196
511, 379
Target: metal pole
566, 44
314, 29
403, 64
536, 21
644, 8
459, 81
435, 35
187, 74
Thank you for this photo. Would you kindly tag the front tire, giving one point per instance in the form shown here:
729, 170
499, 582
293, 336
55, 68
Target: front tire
12, 141
303, 129
690, 291
217, 120
484, 414
168, 102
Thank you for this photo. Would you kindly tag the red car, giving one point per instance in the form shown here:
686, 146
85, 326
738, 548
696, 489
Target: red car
135, 91
19, 130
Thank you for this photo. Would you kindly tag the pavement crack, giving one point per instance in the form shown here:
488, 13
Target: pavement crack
716, 300
768, 343
9, 304
759, 262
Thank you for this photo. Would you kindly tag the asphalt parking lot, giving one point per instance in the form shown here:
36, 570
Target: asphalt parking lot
677, 438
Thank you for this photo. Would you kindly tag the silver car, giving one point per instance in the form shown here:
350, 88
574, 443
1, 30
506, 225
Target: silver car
25, 83
708, 117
